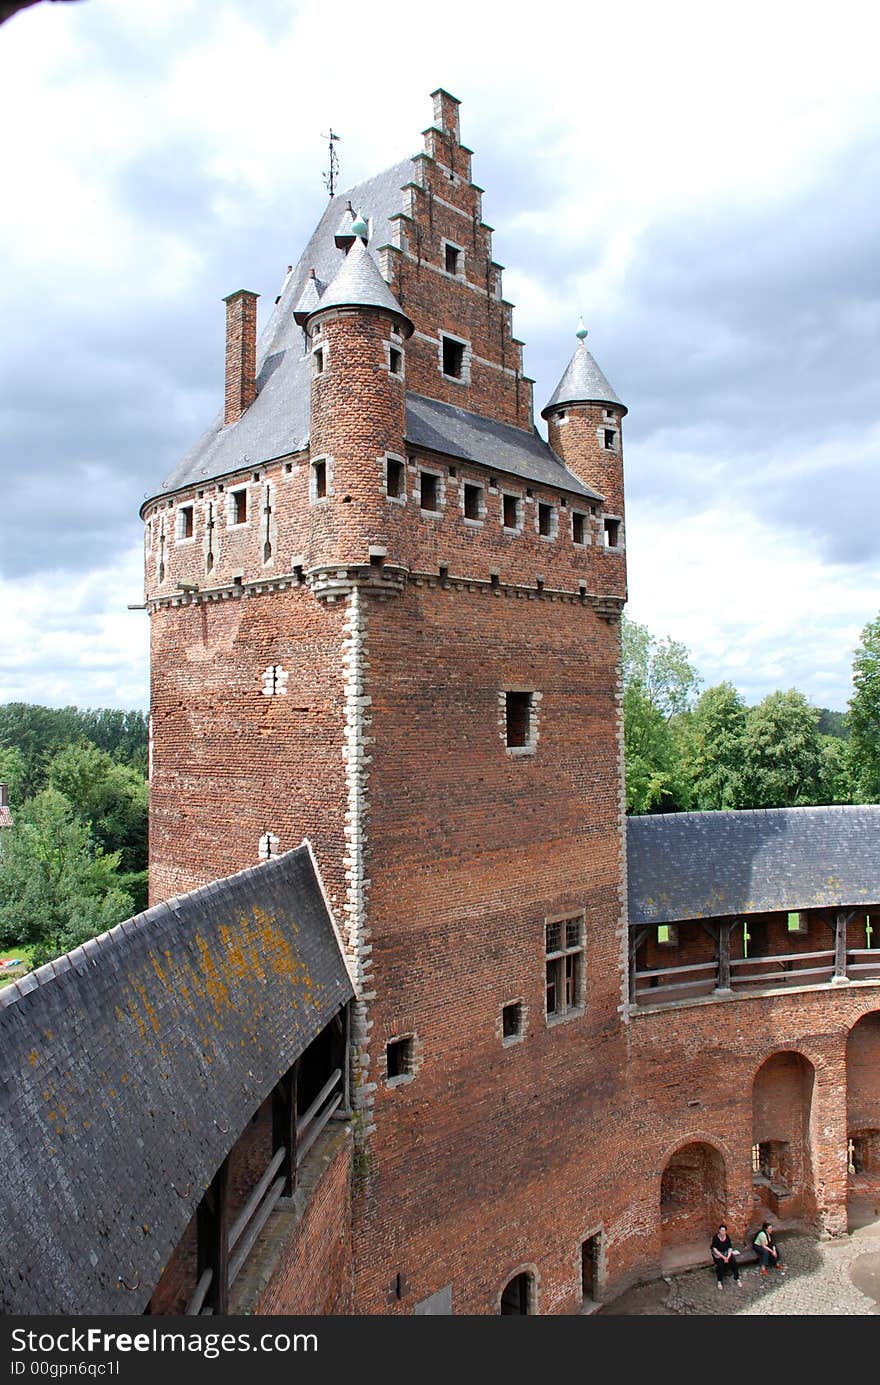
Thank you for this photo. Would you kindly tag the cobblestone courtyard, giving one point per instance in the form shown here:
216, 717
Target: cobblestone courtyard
822, 1278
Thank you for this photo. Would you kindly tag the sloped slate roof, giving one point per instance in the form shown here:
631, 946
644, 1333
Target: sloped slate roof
129, 1068
277, 423
444, 428
358, 283
705, 865
582, 383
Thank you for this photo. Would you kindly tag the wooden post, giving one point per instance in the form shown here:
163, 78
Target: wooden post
722, 957
841, 919
346, 1059
212, 1228
284, 1125
635, 942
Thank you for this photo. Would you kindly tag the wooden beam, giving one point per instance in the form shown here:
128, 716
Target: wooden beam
284, 1125
841, 919
636, 938
722, 956
212, 1228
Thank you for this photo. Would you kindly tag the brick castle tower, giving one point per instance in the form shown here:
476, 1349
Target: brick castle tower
385, 616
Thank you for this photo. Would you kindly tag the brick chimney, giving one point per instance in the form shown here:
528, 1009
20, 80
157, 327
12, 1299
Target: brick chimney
241, 352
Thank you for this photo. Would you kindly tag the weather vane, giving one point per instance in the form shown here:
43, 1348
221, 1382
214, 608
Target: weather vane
331, 177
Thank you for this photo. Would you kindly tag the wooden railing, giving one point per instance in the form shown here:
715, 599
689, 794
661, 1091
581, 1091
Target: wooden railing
653, 984
244, 1231
867, 963
780, 969
725, 974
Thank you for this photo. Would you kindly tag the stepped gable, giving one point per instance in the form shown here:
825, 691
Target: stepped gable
277, 423
130, 1068
710, 865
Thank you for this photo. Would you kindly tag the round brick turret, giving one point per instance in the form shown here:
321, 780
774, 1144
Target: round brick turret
585, 428
357, 338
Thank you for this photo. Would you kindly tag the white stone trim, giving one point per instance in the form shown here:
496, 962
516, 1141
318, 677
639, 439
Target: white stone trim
355, 909
460, 272
398, 347
231, 493
482, 508
314, 498
441, 491
383, 463
531, 745
465, 377
554, 519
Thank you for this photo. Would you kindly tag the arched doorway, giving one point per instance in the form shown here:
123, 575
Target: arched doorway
518, 1296
863, 1121
782, 1163
693, 1193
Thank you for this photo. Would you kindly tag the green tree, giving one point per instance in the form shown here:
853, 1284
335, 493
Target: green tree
782, 753
659, 685
12, 772
109, 797
37, 733
56, 887
713, 748
661, 668
864, 717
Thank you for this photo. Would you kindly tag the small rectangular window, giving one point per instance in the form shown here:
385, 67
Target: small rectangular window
578, 528
452, 257
609, 438
511, 511
399, 1057
472, 498
564, 940
185, 522
453, 357
512, 1020
518, 708
395, 360
797, 922
394, 478
429, 485
667, 934
319, 360
239, 506
545, 520
319, 480
612, 533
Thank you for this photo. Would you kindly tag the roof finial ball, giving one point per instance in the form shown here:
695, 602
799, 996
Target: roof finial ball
581, 332
360, 228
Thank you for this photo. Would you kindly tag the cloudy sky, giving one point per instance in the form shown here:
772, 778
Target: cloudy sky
701, 181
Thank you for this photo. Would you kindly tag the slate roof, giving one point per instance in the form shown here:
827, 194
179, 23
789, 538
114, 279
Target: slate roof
582, 383
277, 423
358, 283
705, 865
130, 1067
501, 446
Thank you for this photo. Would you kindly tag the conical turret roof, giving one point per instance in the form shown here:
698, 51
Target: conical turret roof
359, 284
582, 383
309, 298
